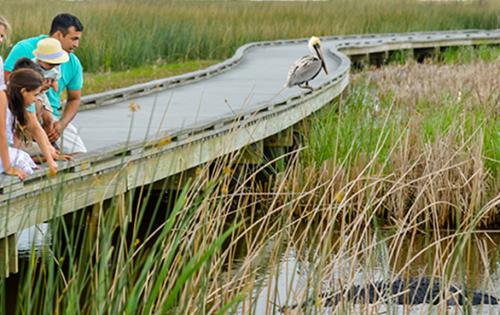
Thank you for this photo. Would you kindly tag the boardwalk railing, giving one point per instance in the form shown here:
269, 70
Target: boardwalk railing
110, 171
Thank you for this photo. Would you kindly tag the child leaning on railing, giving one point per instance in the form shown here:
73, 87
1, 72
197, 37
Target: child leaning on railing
19, 119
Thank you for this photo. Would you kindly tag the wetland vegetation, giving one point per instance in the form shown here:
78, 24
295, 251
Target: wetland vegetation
397, 178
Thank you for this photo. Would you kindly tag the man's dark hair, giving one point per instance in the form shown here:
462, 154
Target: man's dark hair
62, 22
23, 63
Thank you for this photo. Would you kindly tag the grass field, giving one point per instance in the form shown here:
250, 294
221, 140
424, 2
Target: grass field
104, 81
123, 34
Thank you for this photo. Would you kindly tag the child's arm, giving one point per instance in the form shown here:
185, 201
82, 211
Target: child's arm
43, 142
47, 121
4, 146
39, 109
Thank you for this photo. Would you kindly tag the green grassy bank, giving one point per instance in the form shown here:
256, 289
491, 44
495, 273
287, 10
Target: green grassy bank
122, 34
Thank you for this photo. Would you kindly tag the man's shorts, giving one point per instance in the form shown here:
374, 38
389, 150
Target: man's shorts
70, 141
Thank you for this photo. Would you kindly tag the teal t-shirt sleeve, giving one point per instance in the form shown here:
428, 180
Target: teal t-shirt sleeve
31, 108
18, 51
76, 82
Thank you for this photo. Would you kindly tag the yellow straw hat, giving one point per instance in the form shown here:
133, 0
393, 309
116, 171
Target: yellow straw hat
49, 50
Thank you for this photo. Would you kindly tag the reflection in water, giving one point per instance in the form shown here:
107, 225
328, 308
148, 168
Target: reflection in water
303, 270
295, 277
37, 237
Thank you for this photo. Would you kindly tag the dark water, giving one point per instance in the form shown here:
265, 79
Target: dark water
287, 282
37, 237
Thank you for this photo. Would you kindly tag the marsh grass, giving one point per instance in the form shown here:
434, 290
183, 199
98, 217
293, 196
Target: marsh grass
220, 243
121, 35
105, 81
431, 129
407, 151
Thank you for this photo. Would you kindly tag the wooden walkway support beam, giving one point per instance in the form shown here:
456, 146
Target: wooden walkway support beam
252, 154
360, 61
420, 54
8, 255
378, 59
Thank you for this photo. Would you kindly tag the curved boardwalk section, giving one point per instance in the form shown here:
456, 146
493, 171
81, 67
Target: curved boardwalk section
181, 122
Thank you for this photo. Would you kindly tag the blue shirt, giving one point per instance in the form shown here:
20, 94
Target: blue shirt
71, 71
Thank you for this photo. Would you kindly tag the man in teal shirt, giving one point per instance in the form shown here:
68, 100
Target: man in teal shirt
67, 29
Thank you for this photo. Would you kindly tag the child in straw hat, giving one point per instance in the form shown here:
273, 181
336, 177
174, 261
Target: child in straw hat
49, 55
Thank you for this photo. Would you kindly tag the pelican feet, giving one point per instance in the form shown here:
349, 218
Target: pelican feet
306, 86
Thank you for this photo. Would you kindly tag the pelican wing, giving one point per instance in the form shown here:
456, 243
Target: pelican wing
303, 70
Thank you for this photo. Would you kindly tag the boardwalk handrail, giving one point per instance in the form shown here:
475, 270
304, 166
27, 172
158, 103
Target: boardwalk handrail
14, 195
352, 42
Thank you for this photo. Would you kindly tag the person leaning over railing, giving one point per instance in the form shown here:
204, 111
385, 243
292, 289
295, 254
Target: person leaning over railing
18, 119
67, 29
14, 162
41, 101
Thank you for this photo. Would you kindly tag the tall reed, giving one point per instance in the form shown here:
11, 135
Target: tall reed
124, 34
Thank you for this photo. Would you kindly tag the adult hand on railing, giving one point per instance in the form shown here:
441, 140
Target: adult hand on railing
58, 156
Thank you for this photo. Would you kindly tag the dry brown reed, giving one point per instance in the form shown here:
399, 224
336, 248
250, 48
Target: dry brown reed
436, 156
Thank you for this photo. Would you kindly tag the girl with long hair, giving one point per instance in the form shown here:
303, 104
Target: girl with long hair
14, 162
16, 119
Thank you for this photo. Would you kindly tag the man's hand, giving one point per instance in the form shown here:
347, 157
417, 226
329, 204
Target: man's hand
57, 156
55, 131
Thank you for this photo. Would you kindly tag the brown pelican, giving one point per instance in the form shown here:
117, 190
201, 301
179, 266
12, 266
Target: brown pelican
308, 67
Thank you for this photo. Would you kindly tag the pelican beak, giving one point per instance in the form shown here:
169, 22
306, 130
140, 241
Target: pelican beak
319, 52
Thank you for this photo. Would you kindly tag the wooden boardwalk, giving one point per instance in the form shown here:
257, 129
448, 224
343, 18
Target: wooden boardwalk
185, 121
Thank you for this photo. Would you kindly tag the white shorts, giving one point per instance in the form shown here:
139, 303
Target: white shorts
20, 160
70, 141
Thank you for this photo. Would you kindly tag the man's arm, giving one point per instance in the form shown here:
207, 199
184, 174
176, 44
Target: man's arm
72, 106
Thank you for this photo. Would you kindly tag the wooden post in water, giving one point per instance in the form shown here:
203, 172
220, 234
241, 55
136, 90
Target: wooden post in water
8, 256
278, 145
252, 154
